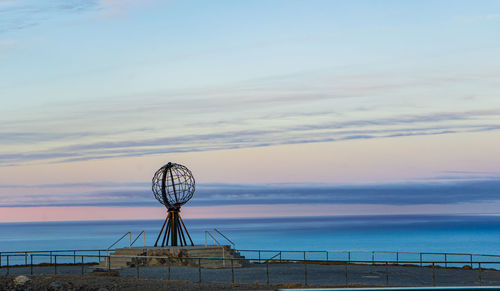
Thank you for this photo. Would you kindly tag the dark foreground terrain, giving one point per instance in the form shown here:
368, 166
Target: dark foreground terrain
251, 277
114, 283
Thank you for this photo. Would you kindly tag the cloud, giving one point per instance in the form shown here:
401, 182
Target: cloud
437, 123
139, 194
22, 14
493, 16
115, 8
16, 15
291, 109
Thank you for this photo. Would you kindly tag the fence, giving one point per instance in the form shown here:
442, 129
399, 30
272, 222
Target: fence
23, 257
280, 269
399, 258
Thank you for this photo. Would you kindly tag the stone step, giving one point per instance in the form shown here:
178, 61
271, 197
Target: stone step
183, 254
128, 251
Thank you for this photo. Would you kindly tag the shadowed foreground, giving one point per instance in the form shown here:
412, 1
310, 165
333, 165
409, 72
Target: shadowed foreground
262, 275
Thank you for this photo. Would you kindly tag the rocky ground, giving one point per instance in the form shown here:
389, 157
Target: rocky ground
112, 282
252, 277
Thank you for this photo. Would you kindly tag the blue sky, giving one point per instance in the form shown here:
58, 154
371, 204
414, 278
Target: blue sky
353, 91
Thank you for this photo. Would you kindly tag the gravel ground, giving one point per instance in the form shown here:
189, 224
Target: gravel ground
317, 275
111, 283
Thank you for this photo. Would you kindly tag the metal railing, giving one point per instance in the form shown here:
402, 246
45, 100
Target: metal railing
216, 242
270, 271
23, 256
143, 233
373, 256
447, 259
213, 234
225, 237
129, 241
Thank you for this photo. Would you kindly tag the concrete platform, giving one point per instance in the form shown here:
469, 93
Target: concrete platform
205, 256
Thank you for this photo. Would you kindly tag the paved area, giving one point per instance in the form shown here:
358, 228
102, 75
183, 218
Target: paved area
312, 274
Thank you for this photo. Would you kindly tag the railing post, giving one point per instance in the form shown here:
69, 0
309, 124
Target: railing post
445, 260
304, 255
74, 257
99, 254
50, 254
387, 274
326, 252
267, 272
55, 265
420, 259
144, 236
232, 271
471, 261
397, 258
7, 264
259, 256
346, 276
25, 258
433, 275
305, 273
480, 278
31, 264
199, 270
349, 256
109, 263
83, 266
280, 256
168, 260
373, 257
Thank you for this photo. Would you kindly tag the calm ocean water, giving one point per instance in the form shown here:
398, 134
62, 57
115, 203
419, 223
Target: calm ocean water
468, 234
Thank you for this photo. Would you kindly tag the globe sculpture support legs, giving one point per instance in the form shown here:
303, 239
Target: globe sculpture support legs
173, 186
174, 231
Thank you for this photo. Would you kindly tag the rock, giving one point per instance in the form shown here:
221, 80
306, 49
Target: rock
110, 273
55, 286
21, 280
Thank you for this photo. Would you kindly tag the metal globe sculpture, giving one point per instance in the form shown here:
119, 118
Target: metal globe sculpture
173, 186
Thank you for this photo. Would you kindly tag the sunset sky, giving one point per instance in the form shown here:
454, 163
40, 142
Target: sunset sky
279, 108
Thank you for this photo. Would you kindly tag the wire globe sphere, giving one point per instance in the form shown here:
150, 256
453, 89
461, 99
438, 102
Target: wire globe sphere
173, 185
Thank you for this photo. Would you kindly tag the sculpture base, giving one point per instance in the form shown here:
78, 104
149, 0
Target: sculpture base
175, 230
190, 256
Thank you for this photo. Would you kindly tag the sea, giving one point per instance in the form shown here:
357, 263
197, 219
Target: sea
403, 233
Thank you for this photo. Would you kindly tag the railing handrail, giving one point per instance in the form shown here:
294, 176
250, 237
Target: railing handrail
144, 235
479, 269
215, 240
271, 258
48, 251
284, 251
387, 252
130, 237
230, 241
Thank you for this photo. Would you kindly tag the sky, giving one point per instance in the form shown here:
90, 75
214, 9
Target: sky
279, 108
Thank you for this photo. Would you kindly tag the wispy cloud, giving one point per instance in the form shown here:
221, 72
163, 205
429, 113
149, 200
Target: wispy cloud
116, 8
22, 14
16, 15
495, 16
139, 195
295, 108
397, 126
